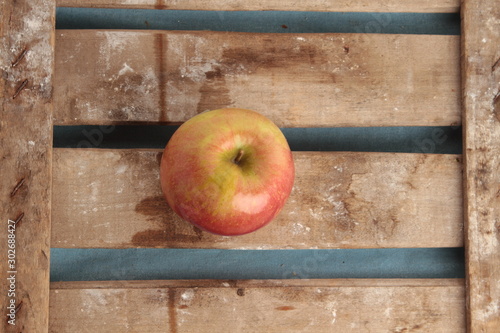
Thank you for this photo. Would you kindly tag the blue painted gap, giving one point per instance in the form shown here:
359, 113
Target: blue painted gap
153, 264
258, 21
438, 140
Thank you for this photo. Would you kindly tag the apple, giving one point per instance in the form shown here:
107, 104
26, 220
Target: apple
227, 171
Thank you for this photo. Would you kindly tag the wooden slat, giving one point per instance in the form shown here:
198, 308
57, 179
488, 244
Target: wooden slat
112, 199
481, 88
424, 6
297, 80
26, 69
259, 306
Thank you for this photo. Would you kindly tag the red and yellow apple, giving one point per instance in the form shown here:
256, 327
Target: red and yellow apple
227, 171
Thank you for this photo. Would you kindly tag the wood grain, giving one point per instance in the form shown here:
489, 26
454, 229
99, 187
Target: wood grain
259, 306
424, 6
481, 91
112, 199
26, 70
297, 80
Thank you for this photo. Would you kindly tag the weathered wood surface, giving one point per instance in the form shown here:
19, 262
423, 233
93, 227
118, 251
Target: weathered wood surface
26, 69
481, 100
112, 199
297, 80
424, 6
259, 306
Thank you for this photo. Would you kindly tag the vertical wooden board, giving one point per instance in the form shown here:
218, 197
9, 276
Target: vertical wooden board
481, 118
270, 306
425, 6
26, 67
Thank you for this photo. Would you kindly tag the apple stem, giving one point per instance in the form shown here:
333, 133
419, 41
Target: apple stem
238, 157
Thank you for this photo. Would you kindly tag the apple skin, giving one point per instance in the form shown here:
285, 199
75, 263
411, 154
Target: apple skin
227, 171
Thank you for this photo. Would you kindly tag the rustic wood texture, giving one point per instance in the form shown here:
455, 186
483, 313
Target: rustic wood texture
26, 69
112, 199
259, 306
306, 80
481, 100
424, 6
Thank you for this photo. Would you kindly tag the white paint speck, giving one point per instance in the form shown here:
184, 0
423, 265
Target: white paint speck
125, 69
315, 213
298, 228
187, 295
94, 189
334, 187
116, 41
32, 23
100, 225
121, 169
491, 310
332, 308
94, 296
197, 73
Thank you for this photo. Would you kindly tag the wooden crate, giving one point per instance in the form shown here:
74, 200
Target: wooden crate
344, 200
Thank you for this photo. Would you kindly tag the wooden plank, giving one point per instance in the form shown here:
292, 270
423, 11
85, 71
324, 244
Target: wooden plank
423, 6
481, 100
26, 67
297, 80
112, 199
259, 306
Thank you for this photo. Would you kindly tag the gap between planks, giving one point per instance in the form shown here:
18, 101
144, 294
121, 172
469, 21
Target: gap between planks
396, 305
419, 6
296, 80
112, 199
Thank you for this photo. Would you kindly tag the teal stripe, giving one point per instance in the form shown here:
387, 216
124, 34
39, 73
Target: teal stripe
257, 21
151, 264
432, 140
